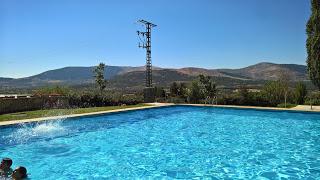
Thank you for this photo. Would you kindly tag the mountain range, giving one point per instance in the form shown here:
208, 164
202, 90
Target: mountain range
133, 77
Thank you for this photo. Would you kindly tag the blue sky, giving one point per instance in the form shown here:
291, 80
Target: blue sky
38, 35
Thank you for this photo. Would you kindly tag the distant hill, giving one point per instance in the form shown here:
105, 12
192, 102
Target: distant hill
260, 71
269, 71
66, 76
163, 78
134, 77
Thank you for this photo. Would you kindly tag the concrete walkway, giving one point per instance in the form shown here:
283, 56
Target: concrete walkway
307, 108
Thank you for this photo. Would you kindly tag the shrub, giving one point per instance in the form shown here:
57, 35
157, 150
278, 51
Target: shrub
176, 100
313, 98
289, 105
49, 90
95, 99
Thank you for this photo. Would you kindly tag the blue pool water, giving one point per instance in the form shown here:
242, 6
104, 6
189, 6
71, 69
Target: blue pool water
177, 142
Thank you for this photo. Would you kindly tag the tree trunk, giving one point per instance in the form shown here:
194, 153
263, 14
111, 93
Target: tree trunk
285, 100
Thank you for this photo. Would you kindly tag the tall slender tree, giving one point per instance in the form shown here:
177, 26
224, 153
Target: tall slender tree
99, 75
313, 43
300, 93
284, 79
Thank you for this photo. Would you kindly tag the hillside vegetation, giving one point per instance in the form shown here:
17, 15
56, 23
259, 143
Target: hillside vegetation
133, 78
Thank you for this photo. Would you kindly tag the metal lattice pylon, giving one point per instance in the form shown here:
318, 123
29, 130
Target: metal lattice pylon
146, 43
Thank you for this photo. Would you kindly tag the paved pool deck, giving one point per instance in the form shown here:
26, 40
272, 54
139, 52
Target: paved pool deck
299, 108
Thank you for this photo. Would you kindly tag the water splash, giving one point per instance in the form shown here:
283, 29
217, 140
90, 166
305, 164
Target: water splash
43, 130
47, 128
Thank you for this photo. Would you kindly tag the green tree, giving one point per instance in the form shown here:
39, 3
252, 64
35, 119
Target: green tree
196, 94
211, 89
300, 93
160, 92
183, 90
99, 76
273, 92
243, 95
313, 43
208, 87
174, 89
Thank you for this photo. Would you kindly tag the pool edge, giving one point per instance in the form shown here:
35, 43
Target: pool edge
15, 122
254, 108
153, 105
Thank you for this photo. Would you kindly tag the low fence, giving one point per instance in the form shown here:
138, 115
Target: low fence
11, 105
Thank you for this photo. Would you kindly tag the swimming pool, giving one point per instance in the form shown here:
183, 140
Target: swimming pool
178, 142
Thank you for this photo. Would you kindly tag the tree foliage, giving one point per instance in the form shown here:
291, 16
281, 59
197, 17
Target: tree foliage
99, 76
174, 89
313, 43
196, 92
210, 89
95, 99
300, 93
273, 92
159, 92
183, 90
201, 89
313, 98
243, 94
55, 90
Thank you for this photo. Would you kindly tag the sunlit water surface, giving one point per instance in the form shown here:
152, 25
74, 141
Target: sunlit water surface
169, 143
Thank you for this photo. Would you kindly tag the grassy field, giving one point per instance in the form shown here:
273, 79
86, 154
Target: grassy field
59, 112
